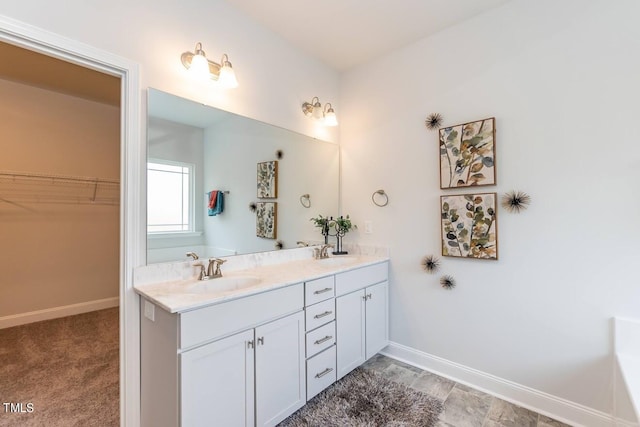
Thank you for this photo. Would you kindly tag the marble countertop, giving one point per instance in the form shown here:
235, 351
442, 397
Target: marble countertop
183, 295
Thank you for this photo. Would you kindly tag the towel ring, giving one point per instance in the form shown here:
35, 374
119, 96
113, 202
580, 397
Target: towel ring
305, 200
385, 198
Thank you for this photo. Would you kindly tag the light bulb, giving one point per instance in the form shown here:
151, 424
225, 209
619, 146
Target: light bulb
227, 77
200, 67
317, 114
330, 118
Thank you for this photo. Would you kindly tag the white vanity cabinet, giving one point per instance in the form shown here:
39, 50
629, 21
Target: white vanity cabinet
255, 359
362, 316
237, 363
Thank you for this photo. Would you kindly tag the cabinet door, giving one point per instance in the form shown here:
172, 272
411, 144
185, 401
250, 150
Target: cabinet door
350, 332
280, 369
217, 383
377, 323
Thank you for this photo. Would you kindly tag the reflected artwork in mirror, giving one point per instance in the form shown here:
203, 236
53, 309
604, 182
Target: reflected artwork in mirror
194, 150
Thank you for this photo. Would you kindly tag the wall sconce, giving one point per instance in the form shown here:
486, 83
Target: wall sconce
203, 69
315, 110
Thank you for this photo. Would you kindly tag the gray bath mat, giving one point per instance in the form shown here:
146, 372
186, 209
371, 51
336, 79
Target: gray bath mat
365, 398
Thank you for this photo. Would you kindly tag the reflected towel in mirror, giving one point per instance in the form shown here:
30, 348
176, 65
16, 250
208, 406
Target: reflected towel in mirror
216, 202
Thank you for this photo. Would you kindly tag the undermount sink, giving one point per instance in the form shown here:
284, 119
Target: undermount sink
223, 284
337, 260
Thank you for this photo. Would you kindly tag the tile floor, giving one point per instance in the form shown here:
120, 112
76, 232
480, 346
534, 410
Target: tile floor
463, 406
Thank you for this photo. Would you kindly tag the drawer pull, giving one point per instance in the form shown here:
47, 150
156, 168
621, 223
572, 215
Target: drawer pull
323, 373
325, 339
322, 291
250, 344
321, 315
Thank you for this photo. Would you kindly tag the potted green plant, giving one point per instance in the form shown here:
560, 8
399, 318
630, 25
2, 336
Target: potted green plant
342, 225
323, 223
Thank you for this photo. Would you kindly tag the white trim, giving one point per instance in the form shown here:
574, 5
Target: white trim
132, 210
543, 403
174, 235
56, 312
626, 365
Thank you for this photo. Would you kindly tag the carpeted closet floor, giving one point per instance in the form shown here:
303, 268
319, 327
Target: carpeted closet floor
67, 369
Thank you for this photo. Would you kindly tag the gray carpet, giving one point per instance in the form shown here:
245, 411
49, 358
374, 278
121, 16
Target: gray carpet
68, 368
365, 398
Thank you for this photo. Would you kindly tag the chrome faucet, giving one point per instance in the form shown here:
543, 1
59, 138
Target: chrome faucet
203, 272
322, 252
213, 269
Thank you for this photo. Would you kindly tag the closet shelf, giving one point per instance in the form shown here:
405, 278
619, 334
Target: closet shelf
25, 188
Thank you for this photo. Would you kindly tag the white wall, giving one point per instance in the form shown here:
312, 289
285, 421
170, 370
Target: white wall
275, 79
561, 78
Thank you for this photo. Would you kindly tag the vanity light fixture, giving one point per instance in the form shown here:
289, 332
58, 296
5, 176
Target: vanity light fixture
315, 110
202, 68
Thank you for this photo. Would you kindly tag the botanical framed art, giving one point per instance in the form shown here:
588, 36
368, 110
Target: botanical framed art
467, 154
267, 220
267, 180
469, 226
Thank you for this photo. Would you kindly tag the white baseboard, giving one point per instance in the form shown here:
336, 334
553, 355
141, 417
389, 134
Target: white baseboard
543, 403
55, 312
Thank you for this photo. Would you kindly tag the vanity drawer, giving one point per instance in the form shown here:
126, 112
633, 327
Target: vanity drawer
208, 323
321, 372
321, 339
359, 278
319, 290
319, 314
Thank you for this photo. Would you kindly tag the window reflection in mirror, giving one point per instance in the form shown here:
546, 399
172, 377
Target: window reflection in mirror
170, 201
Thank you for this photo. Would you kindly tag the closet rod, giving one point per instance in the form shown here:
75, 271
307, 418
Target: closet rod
66, 178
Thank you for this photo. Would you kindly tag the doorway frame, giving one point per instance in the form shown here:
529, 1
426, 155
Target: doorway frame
132, 209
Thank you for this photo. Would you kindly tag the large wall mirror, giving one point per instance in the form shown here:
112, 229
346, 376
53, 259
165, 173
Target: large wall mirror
194, 149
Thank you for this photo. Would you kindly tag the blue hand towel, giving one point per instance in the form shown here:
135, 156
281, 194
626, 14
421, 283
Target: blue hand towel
219, 206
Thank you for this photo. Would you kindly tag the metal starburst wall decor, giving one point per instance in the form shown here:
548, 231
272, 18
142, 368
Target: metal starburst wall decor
430, 264
515, 201
433, 121
447, 282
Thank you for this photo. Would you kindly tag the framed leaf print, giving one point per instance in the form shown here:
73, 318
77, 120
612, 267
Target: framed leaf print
469, 226
267, 220
267, 180
467, 154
